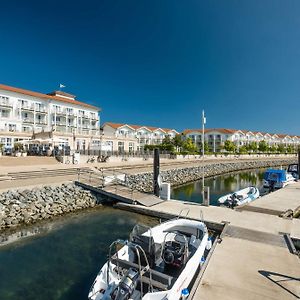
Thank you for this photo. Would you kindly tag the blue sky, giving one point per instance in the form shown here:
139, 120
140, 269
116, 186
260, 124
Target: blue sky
159, 63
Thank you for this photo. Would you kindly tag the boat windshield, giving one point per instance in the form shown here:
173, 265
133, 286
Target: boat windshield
139, 230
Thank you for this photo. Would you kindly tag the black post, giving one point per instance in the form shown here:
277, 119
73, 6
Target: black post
156, 172
299, 163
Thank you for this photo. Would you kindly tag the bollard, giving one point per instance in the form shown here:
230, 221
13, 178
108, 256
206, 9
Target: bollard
156, 172
299, 163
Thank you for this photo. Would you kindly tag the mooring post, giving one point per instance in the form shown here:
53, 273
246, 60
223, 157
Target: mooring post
299, 163
156, 172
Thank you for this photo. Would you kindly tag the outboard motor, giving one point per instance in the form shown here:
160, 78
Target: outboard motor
127, 285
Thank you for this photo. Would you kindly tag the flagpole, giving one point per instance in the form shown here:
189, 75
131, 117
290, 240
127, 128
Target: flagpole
203, 123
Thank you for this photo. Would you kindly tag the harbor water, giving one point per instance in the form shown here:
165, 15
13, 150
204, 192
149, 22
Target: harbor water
61, 262
219, 186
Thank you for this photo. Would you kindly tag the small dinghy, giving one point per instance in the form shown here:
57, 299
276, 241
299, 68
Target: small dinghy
240, 197
156, 263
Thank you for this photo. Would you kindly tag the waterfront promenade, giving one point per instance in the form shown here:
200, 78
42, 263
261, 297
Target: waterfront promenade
47, 166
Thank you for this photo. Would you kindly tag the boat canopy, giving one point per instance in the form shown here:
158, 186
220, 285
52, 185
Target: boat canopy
275, 175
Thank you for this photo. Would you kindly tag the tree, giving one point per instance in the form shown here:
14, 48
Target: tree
243, 149
229, 146
290, 149
281, 148
189, 146
263, 146
273, 148
18, 147
178, 141
252, 146
166, 140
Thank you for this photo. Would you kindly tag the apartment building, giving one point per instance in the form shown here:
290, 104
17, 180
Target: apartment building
131, 138
215, 137
24, 113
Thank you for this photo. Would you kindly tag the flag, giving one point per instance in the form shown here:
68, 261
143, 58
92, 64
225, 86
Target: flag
61, 86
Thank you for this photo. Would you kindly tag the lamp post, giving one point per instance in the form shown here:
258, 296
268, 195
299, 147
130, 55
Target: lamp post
101, 136
205, 192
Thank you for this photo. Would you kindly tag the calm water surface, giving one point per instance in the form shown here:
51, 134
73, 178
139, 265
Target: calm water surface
219, 186
62, 263
63, 257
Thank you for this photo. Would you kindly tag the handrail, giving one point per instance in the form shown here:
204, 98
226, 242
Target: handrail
98, 180
188, 211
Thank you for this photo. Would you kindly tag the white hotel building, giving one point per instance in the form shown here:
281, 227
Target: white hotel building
216, 137
24, 113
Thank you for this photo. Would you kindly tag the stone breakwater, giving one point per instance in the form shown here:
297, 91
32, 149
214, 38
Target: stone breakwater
178, 176
28, 206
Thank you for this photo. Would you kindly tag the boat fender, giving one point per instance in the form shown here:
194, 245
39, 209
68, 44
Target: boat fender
184, 294
202, 261
209, 243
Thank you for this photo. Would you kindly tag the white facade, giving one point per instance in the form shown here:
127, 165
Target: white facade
134, 137
23, 113
217, 137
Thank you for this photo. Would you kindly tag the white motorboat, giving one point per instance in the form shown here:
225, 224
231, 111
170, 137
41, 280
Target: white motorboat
274, 178
157, 263
240, 197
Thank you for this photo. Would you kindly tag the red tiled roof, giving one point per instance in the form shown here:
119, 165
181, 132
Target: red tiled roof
45, 96
136, 127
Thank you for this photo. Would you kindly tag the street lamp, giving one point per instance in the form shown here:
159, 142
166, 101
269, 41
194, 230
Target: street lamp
101, 136
205, 196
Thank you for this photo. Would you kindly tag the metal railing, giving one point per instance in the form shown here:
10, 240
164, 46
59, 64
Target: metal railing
108, 178
91, 178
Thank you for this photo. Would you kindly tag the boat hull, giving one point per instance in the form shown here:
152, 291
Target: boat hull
102, 287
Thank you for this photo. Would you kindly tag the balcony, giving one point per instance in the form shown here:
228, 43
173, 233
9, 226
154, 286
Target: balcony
6, 103
40, 122
26, 129
4, 115
27, 107
41, 110
28, 120
59, 111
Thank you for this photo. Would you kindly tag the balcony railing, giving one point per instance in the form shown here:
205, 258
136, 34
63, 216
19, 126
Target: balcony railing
4, 115
6, 103
28, 120
27, 107
40, 109
26, 129
41, 122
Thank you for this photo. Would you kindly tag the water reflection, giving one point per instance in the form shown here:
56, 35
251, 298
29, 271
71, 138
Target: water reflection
62, 264
219, 186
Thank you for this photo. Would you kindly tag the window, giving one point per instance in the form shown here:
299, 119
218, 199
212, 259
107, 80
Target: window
12, 127
69, 110
131, 147
4, 113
